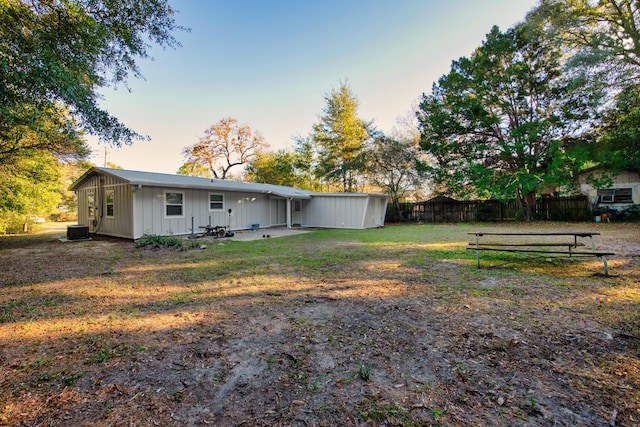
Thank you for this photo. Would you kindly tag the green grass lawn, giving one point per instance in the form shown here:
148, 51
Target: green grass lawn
390, 326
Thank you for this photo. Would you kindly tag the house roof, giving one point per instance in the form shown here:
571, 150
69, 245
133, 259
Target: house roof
350, 194
152, 179
441, 199
607, 168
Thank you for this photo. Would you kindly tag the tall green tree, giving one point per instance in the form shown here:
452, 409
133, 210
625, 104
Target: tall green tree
192, 168
55, 55
273, 167
503, 121
69, 172
392, 167
602, 29
33, 169
618, 144
51, 131
33, 190
340, 138
603, 38
306, 164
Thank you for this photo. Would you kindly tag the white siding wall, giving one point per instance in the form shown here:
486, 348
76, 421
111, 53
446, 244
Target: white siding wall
149, 212
376, 212
249, 209
625, 179
592, 193
278, 211
334, 211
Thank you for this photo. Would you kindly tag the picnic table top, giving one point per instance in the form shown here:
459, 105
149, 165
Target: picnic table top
536, 233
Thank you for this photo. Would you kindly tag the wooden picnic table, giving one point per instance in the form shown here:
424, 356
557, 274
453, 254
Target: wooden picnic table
538, 246
575, 235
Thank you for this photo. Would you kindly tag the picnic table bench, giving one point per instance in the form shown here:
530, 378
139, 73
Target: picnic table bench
527, 245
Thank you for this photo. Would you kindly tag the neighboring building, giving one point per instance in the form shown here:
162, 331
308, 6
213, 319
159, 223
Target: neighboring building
129, 204
623, 193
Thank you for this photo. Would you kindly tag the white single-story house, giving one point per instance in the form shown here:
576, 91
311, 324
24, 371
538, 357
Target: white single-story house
130, 204
623, 192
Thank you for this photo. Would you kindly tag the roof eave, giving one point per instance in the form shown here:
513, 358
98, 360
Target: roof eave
211, 186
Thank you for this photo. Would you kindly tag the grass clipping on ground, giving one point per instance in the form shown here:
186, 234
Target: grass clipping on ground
392, 326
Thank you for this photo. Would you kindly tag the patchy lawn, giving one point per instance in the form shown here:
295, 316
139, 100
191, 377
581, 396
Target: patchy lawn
383, 327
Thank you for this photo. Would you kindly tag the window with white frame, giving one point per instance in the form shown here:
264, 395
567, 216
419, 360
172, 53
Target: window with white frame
174, 204
216, 202
108, 203
615, 195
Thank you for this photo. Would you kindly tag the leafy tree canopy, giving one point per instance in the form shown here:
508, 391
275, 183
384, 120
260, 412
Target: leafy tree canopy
33, 189
604, 40
601, 29
54, 55
225, 145
306, 164
271, 167
51, 130
192, 168
392, 167
502, 122
619, 144
339, 139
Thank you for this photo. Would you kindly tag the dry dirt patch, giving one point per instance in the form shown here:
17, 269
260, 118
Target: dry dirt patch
402, 333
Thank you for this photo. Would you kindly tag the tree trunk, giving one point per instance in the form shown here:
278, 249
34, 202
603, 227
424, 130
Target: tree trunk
527, 205
396, 208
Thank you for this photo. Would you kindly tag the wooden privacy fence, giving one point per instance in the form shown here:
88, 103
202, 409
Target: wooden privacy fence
449, 210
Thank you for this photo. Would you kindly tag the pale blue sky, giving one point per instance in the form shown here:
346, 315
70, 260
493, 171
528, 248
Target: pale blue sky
269, 64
